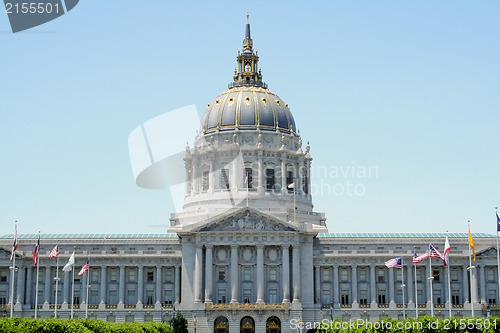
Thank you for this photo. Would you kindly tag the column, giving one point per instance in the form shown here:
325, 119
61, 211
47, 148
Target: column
158, 284
48, 284
296, 276
211, 176
474, 286
260, 274
391, 285
426, 284
317, 284
83, 287
260, 173
482, 282
103, 284
308, 170
177, 284
194, 176
198, 263
21, 274
410, 284
208, 274
286, 273
298, 178
283, 174
465, 284
140, 284
235, 175
335, 286
234, 273
66, 286
373, 287
354, 283
121, 286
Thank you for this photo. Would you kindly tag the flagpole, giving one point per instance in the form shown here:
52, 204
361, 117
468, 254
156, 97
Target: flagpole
87, 296
470, 277
498, 254
37, 271
403, 287
12, 274
431, 277
57, 283
449, 281
73, 285
416, 287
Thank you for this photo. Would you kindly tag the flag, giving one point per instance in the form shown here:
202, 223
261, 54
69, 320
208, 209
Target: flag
292, 185
55, 252
69, 265
498, 223
417, 259
36, 252
433, 252
394, 263
14, 246
85, 268
471, 243
447, 249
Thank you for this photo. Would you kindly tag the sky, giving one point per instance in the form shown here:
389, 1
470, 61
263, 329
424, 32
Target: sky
399, 100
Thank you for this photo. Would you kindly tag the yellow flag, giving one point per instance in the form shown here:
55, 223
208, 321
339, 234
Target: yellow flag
471, 242
292, 185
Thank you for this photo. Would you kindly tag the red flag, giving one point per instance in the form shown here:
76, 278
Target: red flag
85, 268
36, 253
55, 252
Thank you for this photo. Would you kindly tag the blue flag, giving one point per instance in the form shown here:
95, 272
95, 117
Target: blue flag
498, 223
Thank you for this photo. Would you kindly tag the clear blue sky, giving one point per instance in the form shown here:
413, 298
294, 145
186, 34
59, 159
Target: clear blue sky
411, 88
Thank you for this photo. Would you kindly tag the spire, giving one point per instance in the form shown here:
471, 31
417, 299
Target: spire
247, 73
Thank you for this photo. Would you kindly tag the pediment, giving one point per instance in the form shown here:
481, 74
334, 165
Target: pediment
489, 252
246, 220
4, 253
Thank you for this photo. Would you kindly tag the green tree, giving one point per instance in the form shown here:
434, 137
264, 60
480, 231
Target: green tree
179, 324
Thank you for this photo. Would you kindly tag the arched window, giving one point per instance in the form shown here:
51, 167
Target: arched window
247, 325
221, 325
273, 325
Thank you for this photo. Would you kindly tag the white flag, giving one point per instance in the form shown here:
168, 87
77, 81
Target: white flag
69, 266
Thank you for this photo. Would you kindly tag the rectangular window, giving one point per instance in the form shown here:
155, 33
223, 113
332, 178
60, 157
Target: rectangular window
325, 275
326, 296
363, 276
113, 275
381, 296
169, 299
150, 276
455, 298
94, 294
113, 297
490, 275
363, 297
492, 296
3, 275
344, 275
305, 183
289, 180
454, 275
169, 275
76, 297
132, 275
149, 296
248, 180
221, 295
435, 273
224, 179
270, 180
380, 275
204, 181
247, 294
437, 296
3, 297
273, 274
273, 296
222, 275
247, 274
94, 275
131, 297
344, 297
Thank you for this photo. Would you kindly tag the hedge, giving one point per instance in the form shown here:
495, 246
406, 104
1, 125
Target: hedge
28, 325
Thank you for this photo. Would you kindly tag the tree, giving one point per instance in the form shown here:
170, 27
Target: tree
179, 323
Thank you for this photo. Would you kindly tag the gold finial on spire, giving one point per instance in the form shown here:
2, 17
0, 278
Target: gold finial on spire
247, 18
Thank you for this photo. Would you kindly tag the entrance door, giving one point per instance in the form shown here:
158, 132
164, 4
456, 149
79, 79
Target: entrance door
221, 325
247, 325
273, 325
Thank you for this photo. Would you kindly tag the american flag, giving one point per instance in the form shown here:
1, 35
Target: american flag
433, 252
36, 252
394, 263
85, 268
417, 259
55, 252
14, 246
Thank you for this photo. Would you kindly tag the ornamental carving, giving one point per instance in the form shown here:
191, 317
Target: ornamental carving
247, 223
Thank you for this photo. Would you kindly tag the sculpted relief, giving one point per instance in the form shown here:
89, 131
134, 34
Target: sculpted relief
246, 223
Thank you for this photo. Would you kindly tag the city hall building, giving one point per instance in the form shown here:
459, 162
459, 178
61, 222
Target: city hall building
248, 253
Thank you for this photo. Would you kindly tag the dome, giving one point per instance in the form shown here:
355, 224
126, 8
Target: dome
248, 108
